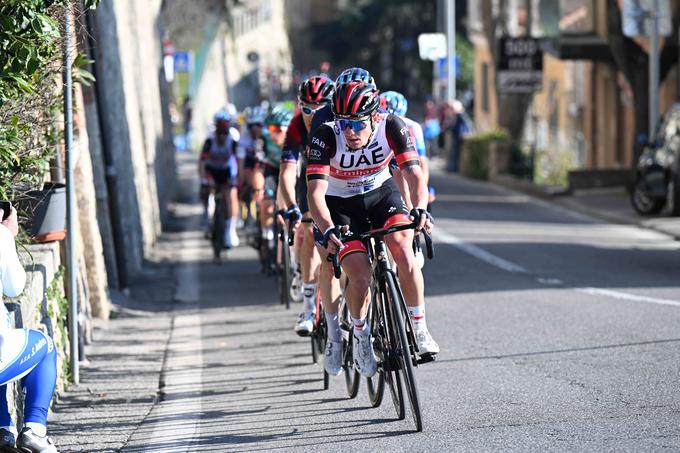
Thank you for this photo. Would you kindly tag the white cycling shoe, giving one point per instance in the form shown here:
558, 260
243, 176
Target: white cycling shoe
305, 324
332, 359
426, 344
364, 357
235, 241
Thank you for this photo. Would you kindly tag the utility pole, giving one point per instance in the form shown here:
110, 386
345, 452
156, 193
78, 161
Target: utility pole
451, 49
70, 193
654, 69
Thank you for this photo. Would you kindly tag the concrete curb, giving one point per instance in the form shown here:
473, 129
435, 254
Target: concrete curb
566, 200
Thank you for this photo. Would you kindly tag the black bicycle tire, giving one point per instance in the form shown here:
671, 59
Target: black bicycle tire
218, 229
393, 377
352, 376
375, 385
286, 271
406, 357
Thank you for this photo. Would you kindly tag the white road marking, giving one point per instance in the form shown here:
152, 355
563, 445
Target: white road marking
508, 266
479, 253
626, 296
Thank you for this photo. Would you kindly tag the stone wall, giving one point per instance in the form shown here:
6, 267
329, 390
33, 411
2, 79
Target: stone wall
133, 109
35, 310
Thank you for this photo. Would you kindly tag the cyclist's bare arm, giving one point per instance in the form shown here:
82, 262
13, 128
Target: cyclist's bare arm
287, 180
317, 203
415, 179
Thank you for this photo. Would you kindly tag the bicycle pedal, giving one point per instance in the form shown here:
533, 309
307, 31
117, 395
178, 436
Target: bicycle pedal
426, 358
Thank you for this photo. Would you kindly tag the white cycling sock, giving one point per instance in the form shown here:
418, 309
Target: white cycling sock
37, 428
309, 295
361, 327
333, 324
418, 317
233, 224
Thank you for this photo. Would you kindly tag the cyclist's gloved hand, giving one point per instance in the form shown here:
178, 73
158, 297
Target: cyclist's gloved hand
332, 238
422, 218
293, 213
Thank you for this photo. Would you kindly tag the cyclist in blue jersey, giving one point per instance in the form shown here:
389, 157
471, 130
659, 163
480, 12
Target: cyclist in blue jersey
25, 354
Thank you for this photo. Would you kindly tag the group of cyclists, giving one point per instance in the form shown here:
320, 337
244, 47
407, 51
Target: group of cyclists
348, 159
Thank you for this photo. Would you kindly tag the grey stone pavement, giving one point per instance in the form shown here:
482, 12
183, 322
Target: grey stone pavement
558, 333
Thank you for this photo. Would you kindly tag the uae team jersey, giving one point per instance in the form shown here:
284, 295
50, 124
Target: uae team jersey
221, 157
356, 172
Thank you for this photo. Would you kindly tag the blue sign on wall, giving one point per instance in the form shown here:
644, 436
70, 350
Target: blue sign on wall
442, 70
182, 62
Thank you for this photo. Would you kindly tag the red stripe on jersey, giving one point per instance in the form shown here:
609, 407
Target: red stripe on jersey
318, 169
407, 156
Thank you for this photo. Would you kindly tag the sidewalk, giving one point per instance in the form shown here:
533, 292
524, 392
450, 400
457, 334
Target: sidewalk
119, 383
611, 204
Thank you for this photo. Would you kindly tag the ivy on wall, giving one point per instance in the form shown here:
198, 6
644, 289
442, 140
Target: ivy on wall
30, 104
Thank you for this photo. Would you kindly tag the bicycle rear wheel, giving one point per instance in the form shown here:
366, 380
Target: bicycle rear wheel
404, 348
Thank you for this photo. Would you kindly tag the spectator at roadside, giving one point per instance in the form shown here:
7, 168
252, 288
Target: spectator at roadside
460, 127
25, 354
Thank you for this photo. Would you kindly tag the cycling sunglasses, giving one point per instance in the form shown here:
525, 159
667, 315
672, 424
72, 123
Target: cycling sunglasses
252, 125
310, 111
355, 125
275, 129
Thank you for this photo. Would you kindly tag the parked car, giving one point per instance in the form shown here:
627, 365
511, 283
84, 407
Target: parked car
657, 176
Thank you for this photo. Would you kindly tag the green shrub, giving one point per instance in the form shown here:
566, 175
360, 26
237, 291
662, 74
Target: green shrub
477, 147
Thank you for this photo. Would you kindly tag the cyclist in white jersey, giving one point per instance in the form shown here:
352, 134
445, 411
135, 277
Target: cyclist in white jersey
350, 184
218, 166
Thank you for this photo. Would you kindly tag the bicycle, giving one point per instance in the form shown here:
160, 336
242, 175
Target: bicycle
394, 339
217, 229
284, 270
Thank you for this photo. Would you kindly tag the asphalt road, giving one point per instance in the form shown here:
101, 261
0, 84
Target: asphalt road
558, 333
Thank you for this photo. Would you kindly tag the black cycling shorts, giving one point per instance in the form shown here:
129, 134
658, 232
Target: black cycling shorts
380, 208
222, 176
251, 162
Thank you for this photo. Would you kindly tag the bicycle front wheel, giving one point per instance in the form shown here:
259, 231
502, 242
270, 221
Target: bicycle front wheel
404, 349
218, 229
286, 270
352, 376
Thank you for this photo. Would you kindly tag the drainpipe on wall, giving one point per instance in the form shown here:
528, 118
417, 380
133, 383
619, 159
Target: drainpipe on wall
72, 263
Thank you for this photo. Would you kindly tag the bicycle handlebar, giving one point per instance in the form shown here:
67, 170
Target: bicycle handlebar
291, 227
377, 233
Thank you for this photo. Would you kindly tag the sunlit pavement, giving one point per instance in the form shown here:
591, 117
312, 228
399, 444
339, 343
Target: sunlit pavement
558, 332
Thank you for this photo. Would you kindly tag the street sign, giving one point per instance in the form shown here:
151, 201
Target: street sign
432, 46
520, 66
182, 62
442, 67
638, 17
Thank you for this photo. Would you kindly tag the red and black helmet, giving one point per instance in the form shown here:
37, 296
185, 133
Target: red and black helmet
355, 100
316, 90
